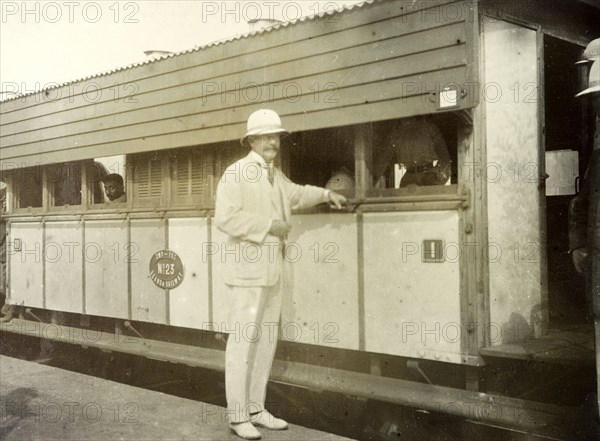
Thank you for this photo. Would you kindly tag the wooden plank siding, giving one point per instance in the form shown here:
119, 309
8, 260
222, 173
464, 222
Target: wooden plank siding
379, 61
408, 53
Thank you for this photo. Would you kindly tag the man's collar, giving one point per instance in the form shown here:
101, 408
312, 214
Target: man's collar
256, 157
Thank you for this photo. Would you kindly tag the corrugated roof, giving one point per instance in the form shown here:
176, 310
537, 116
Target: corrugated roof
205, 46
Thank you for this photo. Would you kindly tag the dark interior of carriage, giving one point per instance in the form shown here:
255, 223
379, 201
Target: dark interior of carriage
404, 156
568, 126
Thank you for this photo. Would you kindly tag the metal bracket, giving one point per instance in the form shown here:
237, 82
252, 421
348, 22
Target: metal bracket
30, 312
465, 116
414, 365
128, 324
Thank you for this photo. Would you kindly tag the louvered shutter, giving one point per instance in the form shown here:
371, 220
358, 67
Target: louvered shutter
192, 175
147, 180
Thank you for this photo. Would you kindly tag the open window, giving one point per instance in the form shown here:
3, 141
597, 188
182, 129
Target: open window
409, 156
416, 154
54, 186
28, 188
64, 184
106, 180
324, 158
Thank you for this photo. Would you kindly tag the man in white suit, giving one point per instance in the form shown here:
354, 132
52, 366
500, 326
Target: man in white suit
253, 207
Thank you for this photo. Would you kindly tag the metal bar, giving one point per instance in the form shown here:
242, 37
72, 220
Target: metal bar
210, 270
43, 252
413, 206
83, 261
409, 198
108, 210
361, 282
9, 242
167, 291
545, 314
129, 282
363, 147
506, 411
204, 211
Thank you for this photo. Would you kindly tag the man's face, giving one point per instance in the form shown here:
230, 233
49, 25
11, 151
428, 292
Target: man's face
113, 190
266, 146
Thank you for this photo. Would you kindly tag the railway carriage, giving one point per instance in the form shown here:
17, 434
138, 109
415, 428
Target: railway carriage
439, 278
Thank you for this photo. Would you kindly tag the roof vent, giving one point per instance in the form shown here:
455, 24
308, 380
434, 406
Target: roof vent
153, 53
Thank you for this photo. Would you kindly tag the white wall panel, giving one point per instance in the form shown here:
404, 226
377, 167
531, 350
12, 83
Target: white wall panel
26, 266
412, 308
106, 268
189, 302
320, 302
64, 266
148, 300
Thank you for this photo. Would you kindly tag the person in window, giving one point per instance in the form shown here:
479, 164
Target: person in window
254, 204
418, 144
114, 188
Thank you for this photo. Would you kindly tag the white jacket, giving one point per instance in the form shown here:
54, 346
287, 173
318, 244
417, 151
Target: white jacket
244, 211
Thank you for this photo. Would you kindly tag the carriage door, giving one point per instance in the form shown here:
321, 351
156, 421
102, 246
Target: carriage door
516, 248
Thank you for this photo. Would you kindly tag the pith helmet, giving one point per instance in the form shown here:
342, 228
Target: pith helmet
591, 52
263, 122
594, 79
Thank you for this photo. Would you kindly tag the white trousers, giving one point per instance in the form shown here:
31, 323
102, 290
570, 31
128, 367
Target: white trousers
253, 323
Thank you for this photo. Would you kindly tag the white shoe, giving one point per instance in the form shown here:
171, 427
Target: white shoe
265, 419
245, 430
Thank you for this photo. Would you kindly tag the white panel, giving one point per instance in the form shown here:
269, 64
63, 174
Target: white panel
148, 301
106, 251
412, 308
320, 301
64, 266
189, 301
512, 173
26, 266
562, 168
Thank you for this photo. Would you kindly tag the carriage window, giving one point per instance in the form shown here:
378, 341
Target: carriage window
322, 157
414, 152
106, 180
64, 183
29, 187
405, 154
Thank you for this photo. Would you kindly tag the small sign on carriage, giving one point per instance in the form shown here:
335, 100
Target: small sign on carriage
448, 98
166, 269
